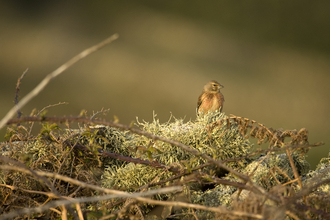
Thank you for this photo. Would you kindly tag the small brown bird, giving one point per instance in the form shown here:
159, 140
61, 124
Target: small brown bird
211, 98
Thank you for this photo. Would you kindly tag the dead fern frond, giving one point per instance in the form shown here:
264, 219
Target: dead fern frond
275, 137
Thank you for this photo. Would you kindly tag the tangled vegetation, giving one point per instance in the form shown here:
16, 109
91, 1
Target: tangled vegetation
217, 170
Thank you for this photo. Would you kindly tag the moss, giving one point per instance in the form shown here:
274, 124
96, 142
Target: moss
131, 176
219, 195
220, 143
280, 166
322, 172
108, 139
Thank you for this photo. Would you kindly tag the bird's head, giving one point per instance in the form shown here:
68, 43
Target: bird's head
213, 86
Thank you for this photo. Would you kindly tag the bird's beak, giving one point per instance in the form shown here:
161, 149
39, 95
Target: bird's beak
221, 86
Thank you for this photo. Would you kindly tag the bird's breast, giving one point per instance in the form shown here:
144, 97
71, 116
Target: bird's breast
211, 102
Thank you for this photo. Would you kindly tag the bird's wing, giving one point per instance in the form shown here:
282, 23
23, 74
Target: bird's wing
199, 102
221, 100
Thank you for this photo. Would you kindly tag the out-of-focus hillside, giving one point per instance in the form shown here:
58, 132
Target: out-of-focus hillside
272, 58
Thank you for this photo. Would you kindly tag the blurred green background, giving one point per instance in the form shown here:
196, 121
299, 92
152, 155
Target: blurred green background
273, 57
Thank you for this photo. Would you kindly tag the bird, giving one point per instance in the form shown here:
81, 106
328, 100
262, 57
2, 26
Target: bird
211, 99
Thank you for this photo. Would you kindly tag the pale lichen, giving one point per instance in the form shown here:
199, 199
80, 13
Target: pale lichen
220, 143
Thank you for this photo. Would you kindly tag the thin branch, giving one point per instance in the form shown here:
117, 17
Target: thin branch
54, 74
98, 112
294, 169
19, 113
22, 166
155, 164
220, 209
183, 173
49, 194
43, 109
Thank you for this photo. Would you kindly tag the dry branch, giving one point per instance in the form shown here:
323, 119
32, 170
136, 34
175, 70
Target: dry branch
19, 113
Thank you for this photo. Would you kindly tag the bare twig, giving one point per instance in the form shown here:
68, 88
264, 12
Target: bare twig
195, 206
80, 214
54, 74
155, 164
19, 113
43, 109
98, 112
294, 169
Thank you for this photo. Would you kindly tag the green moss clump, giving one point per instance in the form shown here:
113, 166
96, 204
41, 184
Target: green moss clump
320, 196
130, 177
280, 166
108, 139
321, 173
219, 195
220, 143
